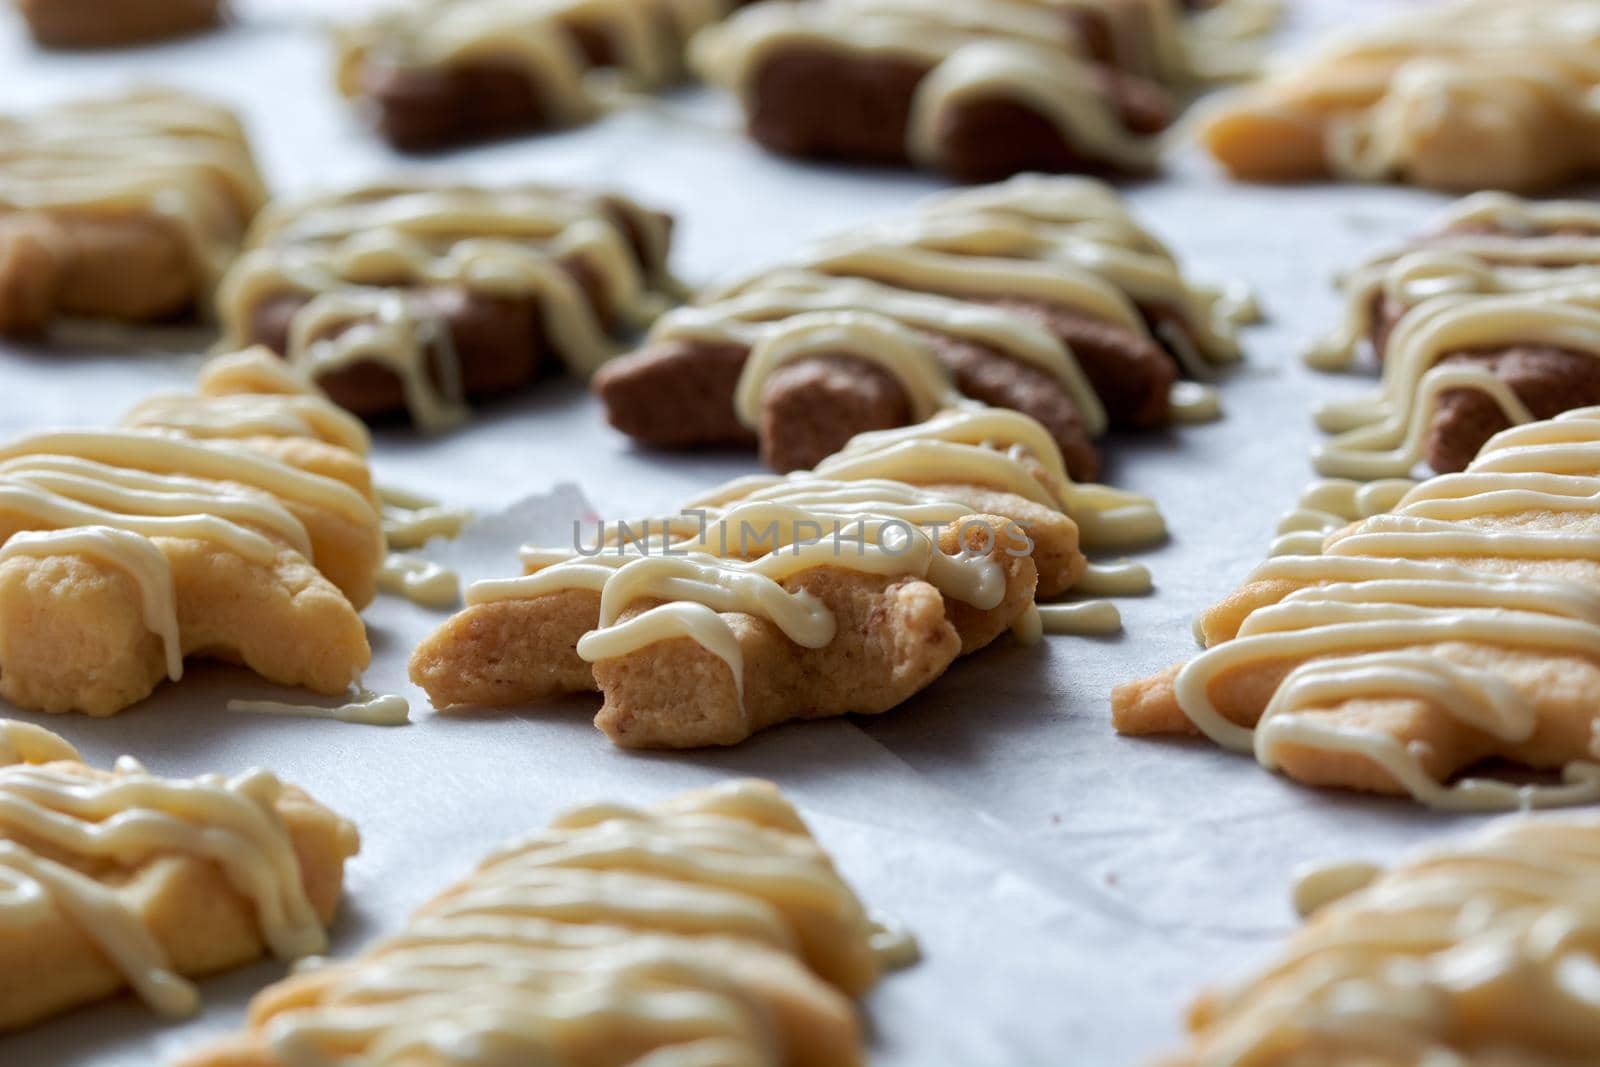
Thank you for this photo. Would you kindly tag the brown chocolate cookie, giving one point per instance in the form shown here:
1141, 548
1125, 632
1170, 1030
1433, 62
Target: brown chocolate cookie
117, 23
1547, 380
985, 299
955, 87
1479, 322
539, 73
375, 293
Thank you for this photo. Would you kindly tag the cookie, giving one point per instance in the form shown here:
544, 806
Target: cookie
1484, 323
416, 300
448, 72
1484, 243
127, 208
979, 91
122, 879
116, 23
1465, 95
843, 590
1041, 294
711, 929
1461, 627
692, 649
231, 524
1448, 957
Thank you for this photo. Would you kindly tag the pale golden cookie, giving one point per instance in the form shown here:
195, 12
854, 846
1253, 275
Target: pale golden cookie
842, 590
1464, 955
227, 524
511, 651
710, 930
119, 879
894, 637
1466, 95
250, 400
1462, 626
127, 208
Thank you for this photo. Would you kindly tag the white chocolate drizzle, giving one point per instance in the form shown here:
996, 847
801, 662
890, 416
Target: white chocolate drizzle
1194, 402
422, 581
158, 453
22, 742
1318, 886
251, 394
61, 822
411, 520
1123, 578
367, 709
1029, 627
1329, 504
1004, 450
1090, 617
895, 946
863, 336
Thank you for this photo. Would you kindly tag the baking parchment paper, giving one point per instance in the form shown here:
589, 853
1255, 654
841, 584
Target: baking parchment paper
1071, 889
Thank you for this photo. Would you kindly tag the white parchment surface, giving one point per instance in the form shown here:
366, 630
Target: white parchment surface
1071, 889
